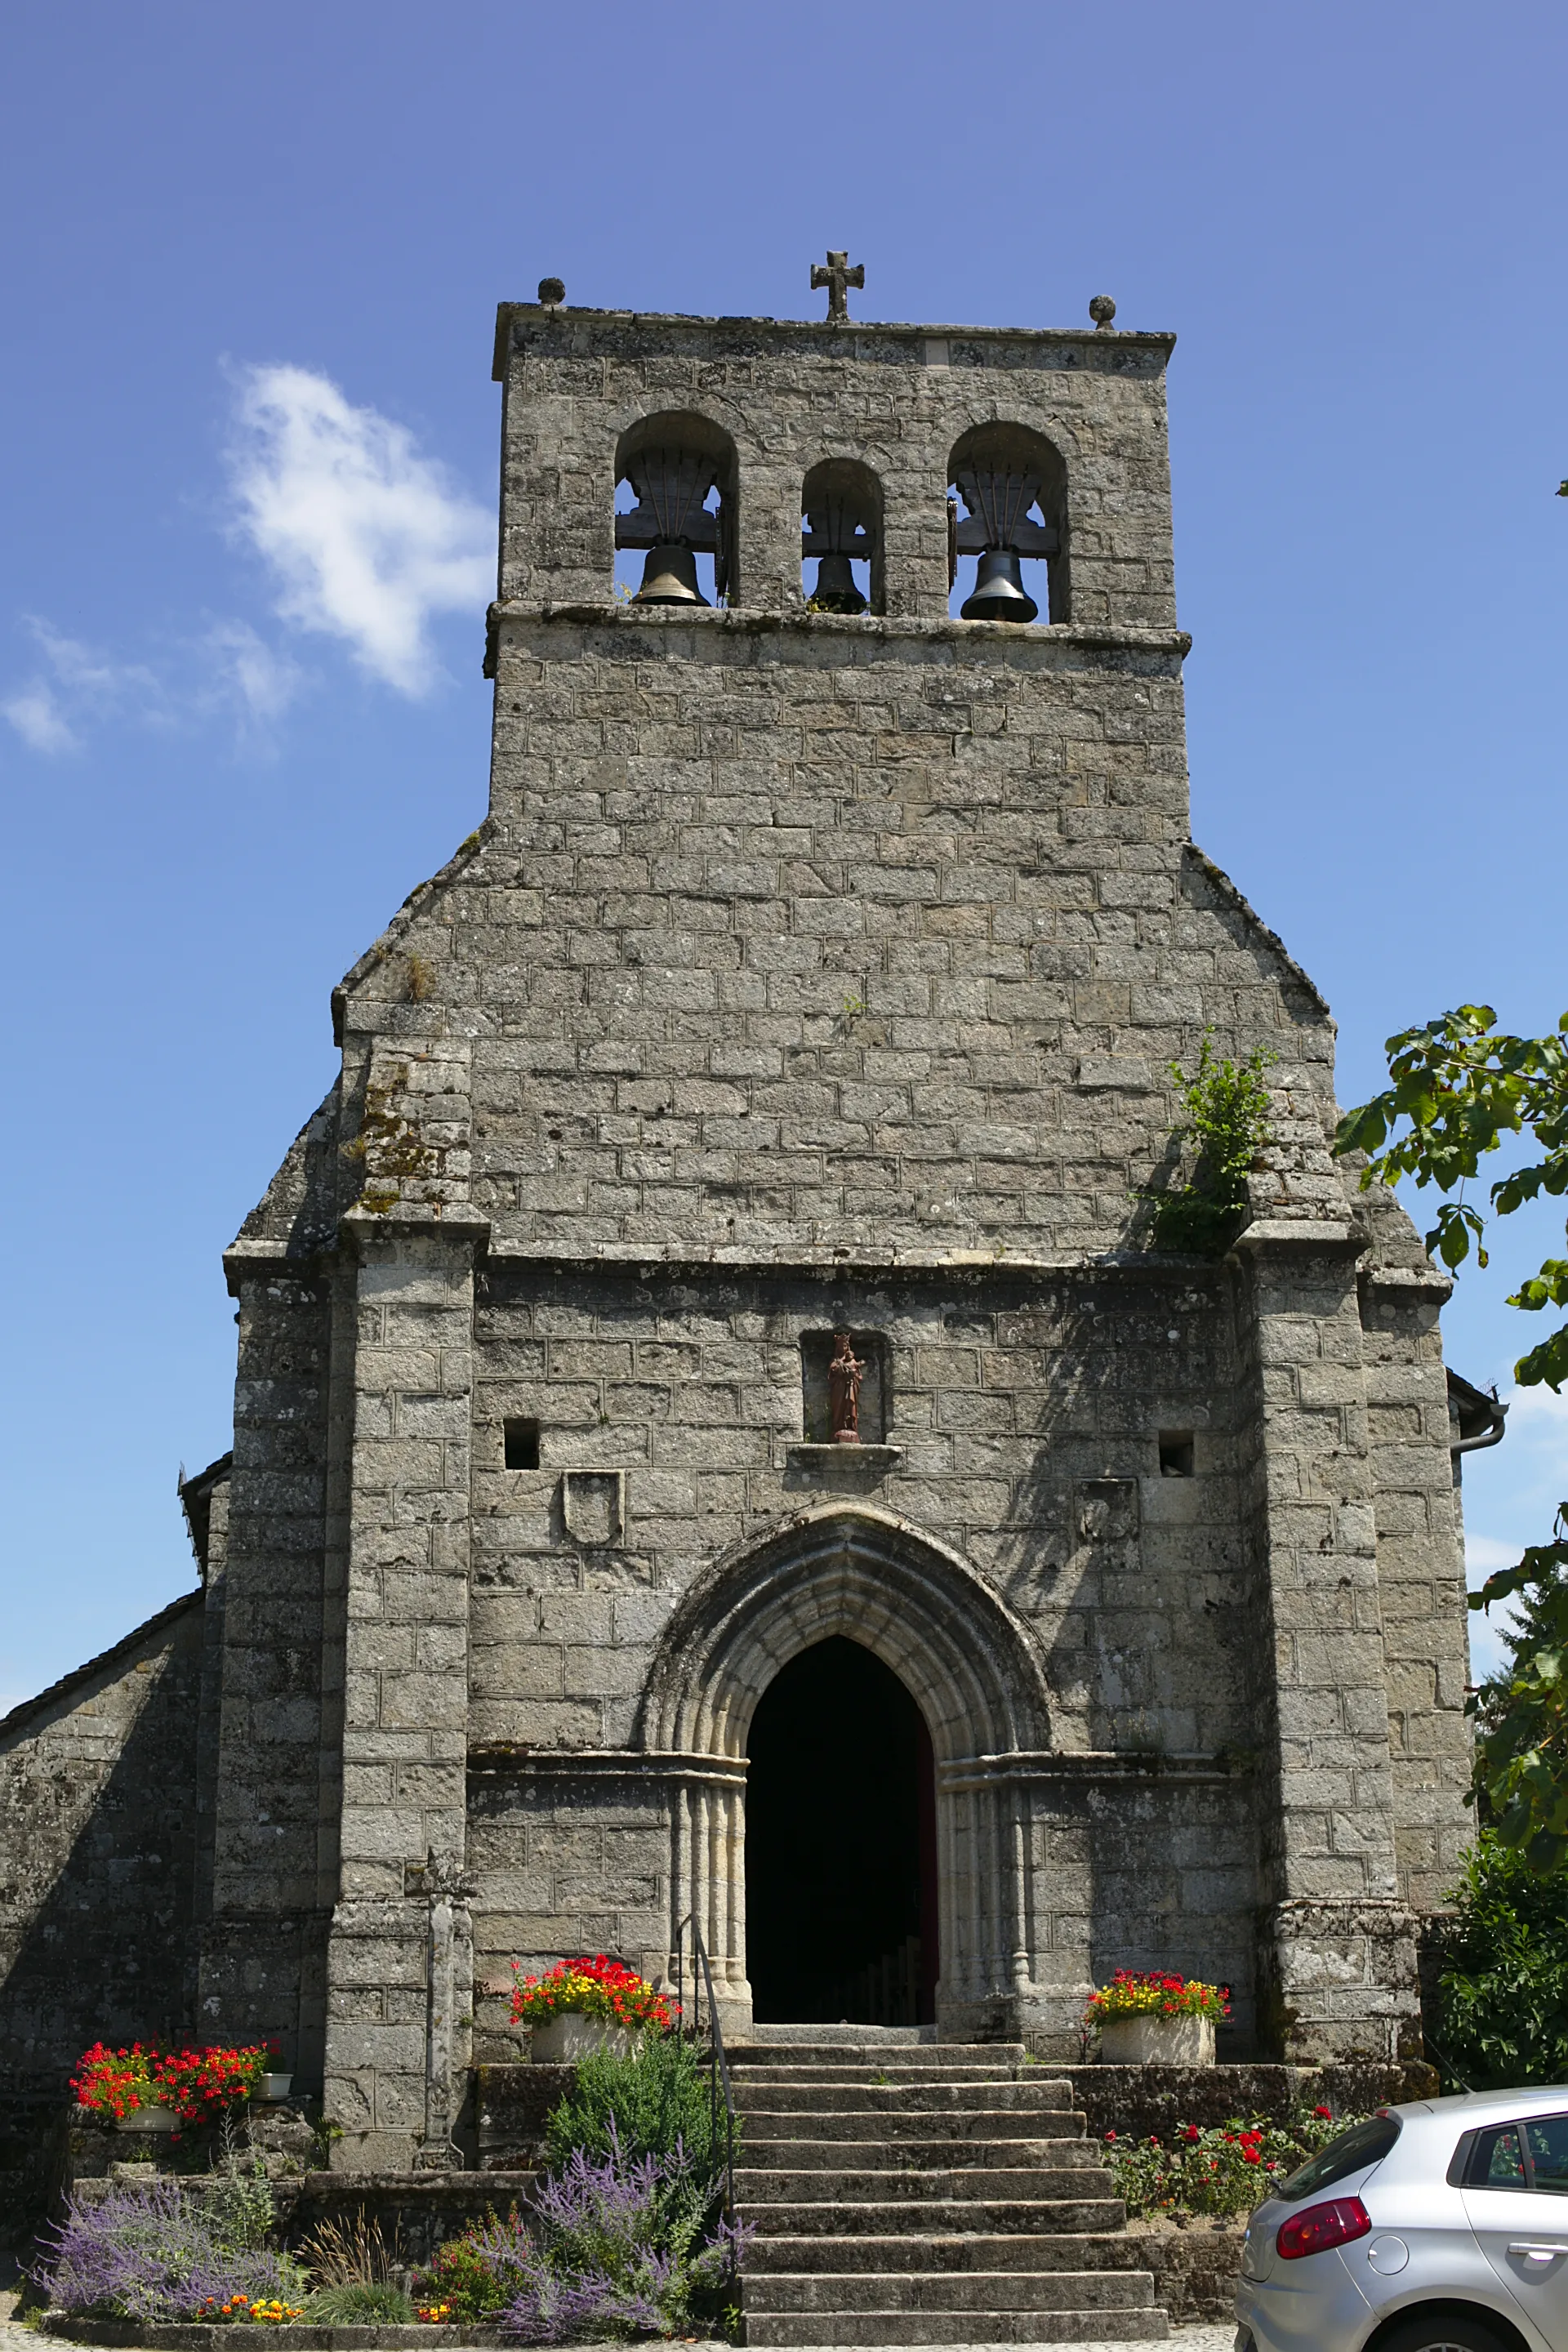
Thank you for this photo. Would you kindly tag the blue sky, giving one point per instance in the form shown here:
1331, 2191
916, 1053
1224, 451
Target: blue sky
251, 261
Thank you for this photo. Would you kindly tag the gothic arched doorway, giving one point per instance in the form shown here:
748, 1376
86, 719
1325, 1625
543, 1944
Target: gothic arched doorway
841, 1865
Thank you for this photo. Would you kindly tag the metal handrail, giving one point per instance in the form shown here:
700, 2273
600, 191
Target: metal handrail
718, 2065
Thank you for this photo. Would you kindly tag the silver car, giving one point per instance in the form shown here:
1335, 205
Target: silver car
1438, 2227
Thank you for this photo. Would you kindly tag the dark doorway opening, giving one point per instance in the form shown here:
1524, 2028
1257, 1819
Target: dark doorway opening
841, 1918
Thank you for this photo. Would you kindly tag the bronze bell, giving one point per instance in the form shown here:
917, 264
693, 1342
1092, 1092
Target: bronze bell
999, 590
669, 577
836, 589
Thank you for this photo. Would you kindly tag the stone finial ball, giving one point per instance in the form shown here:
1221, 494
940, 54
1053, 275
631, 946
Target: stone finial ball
1102, 310
552, 289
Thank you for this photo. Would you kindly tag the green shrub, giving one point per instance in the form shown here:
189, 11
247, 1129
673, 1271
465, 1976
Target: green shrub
659, 2096
361, 2306
1504, 1982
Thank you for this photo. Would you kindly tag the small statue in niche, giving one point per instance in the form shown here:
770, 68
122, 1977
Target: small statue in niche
845, 1371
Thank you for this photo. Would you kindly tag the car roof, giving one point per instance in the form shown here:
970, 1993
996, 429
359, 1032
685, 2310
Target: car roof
1467, 2106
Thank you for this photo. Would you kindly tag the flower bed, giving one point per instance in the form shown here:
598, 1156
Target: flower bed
596, 1987
1228, 2169
196, 2083
1154, 1994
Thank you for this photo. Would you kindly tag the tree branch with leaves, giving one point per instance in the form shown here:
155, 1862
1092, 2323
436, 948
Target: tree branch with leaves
1458, 1090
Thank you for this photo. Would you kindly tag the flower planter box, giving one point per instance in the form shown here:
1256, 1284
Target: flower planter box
147, 2119
274, 2086
1155, 2041
560, 2040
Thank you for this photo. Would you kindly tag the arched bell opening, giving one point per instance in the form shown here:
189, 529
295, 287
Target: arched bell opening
1007, 527
841, 1845
675, 512
841, 538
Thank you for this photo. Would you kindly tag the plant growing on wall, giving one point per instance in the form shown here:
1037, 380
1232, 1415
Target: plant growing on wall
1459, 1088
1225, 1127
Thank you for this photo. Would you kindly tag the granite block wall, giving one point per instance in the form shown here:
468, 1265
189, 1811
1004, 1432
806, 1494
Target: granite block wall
97, 1853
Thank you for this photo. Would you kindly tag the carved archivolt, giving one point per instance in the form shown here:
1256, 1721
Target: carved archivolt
970, 1664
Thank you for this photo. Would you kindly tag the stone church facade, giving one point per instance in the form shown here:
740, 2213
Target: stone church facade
814, 972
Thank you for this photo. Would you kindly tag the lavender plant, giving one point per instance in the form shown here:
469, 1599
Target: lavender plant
626, 2246
159, 2252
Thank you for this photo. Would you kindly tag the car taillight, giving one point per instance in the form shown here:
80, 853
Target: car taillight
1313, 2231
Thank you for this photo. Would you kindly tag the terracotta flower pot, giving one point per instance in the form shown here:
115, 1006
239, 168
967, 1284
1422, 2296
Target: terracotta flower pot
557, 2040
1152, 2040
147, 2119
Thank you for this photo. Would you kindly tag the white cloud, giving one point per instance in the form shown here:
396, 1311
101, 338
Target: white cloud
35, 714
367, 537
261, 682
81, 685
1541, 1407
1485, 1554
94, 678
229, 668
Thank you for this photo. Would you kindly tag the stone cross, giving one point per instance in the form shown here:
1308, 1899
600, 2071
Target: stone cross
838, 277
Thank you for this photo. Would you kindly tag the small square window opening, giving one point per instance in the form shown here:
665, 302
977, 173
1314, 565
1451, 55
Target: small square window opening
1175, 1453
521, 1444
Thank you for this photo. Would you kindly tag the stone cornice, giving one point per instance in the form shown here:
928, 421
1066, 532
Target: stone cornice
500, 1760
560, 328
1086, 636
859, 1263
1274, 1234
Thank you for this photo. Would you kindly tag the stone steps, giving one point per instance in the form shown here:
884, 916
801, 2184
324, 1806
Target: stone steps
967, 2126
782, 2328
968, 2291
889, 2076
1000, 2184
952, 2215
910, 2193
920, 2251
916, 2151
870, 2097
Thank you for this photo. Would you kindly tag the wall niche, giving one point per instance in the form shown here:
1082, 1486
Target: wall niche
818, 1349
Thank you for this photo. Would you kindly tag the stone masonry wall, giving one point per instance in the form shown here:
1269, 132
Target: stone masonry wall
263, 1943
98, 1850
868, 942
1421, 1579
1028, 1412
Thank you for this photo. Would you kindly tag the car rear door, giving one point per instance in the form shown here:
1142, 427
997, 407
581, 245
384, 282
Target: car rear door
1516, 2198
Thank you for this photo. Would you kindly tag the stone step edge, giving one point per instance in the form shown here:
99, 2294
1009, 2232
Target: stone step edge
786, 2328
1099, 2289
1078, 2217
907, 2254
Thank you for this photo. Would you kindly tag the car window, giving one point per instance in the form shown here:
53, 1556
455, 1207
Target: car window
1496, 2160
1546, 2137
1352, 2152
